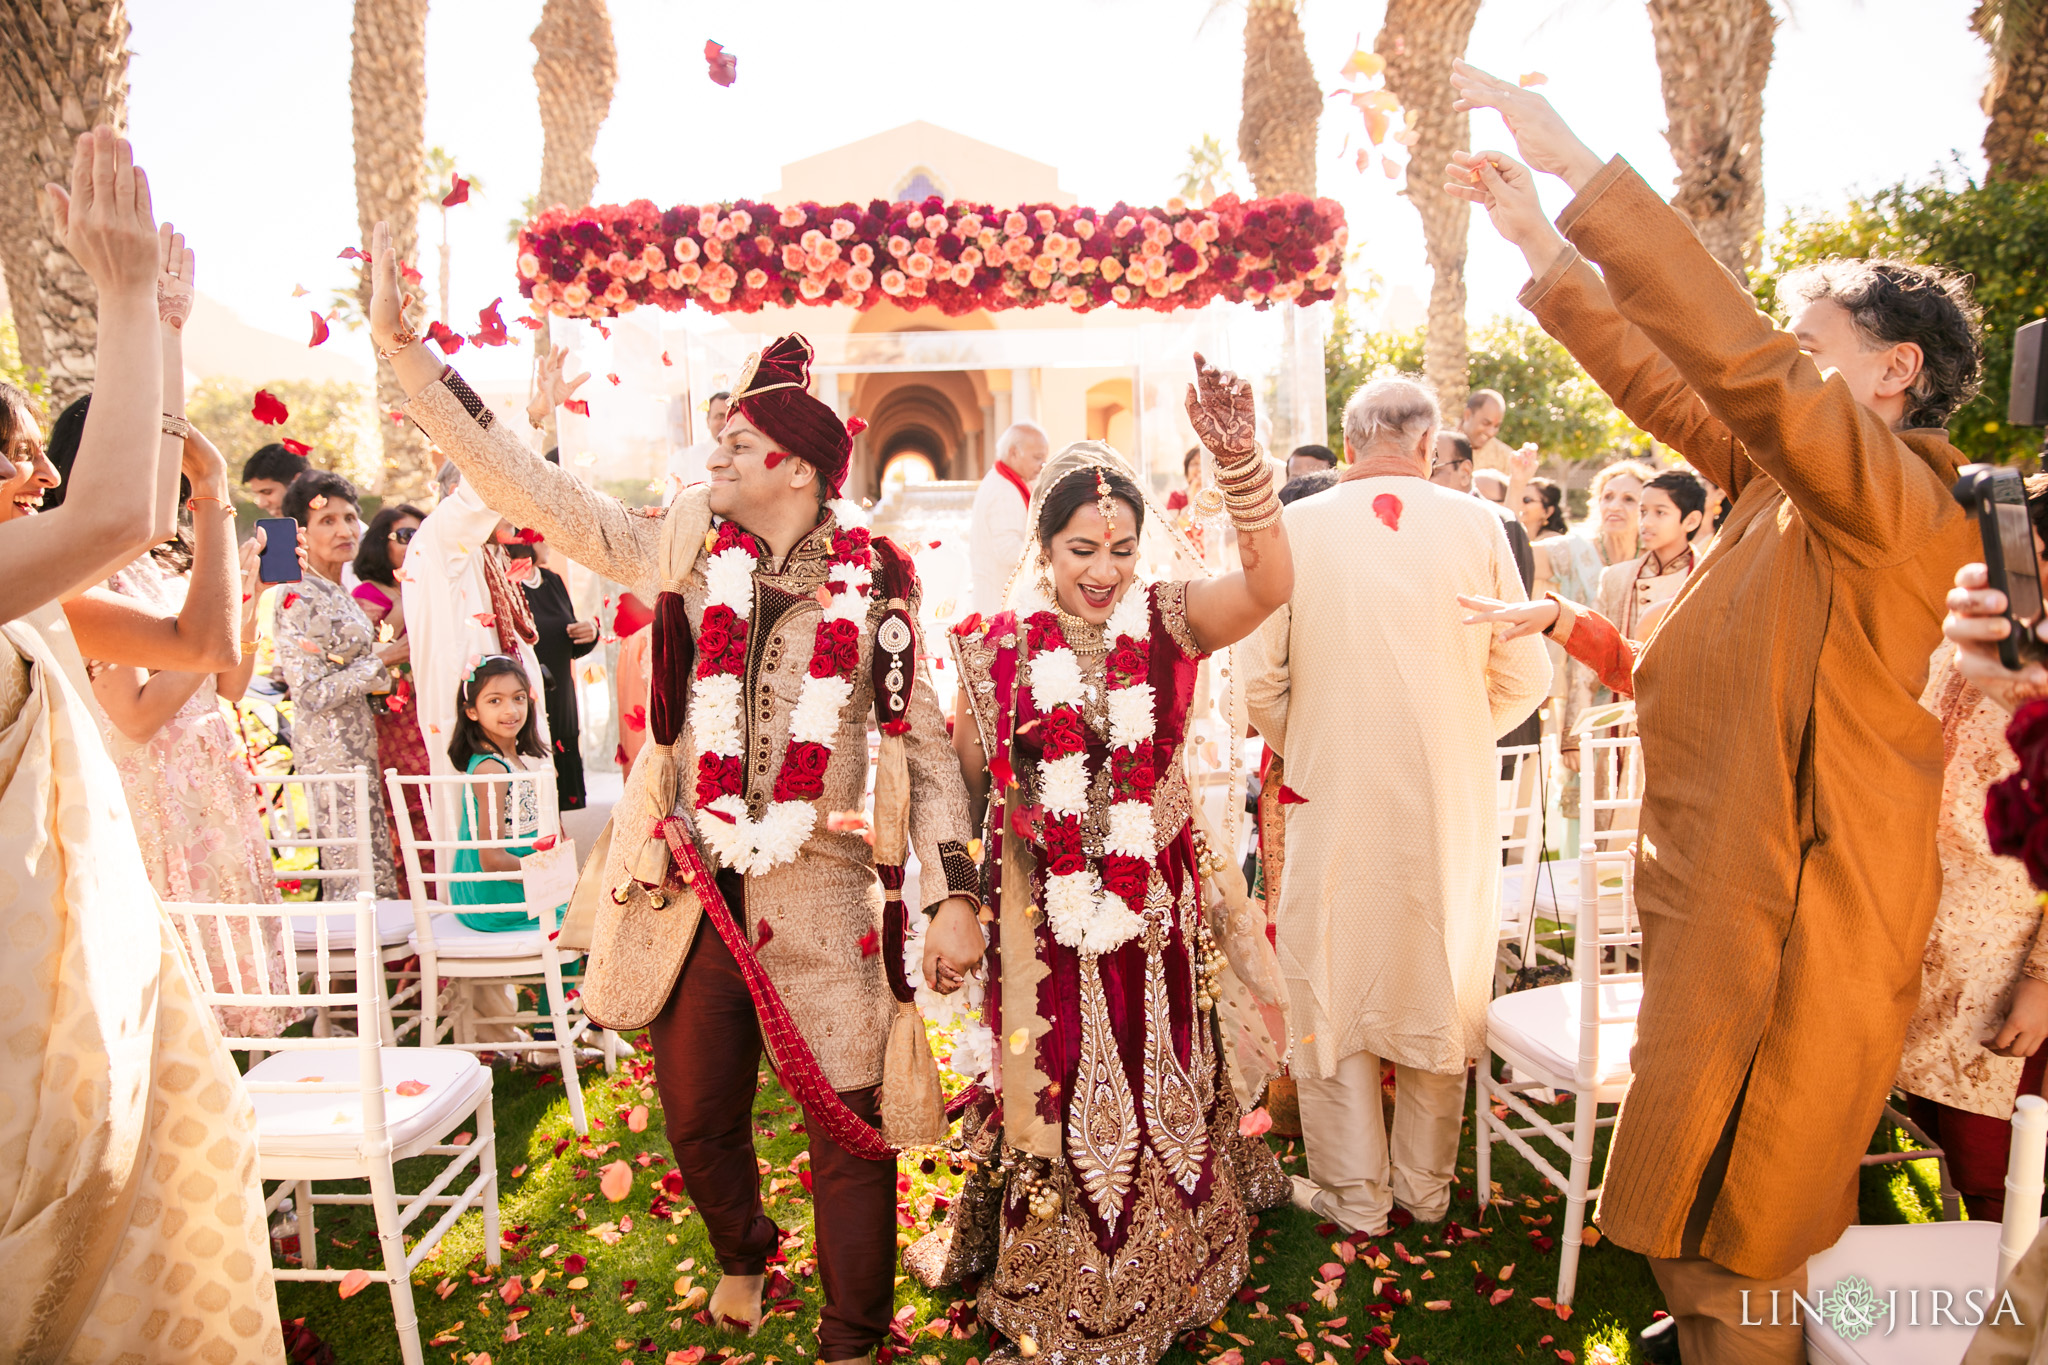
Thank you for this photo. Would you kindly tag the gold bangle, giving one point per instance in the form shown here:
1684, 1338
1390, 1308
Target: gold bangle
251, 644
176, 426
222, 503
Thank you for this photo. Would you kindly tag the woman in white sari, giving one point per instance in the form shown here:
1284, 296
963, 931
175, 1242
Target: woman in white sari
131, 1218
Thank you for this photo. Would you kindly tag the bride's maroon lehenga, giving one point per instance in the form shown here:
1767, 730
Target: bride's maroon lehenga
1135, 1139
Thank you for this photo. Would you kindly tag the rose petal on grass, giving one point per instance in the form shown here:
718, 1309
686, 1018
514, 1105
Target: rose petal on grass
1437, 1305
1500, 1296
617, 1181
637, 1119
511, 1290
354, 1283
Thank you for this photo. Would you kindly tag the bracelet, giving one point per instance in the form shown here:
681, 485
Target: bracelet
406, 336
176, 426
222, 503
252, 643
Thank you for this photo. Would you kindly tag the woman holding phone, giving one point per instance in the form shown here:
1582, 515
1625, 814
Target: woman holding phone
136, 1137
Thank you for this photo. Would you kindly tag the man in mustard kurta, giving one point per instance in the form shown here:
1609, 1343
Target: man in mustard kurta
1787, 868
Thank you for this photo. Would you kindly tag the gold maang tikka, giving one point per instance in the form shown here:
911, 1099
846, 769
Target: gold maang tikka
1105, 504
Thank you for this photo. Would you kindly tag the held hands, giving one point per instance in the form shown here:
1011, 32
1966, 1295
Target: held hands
1540, 135
953, 946
1976, 622
105, 220
551, 388
1516, 619
1221, 409
174, 276
1506, 189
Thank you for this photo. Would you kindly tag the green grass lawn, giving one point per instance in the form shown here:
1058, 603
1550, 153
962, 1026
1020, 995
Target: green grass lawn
642, 1275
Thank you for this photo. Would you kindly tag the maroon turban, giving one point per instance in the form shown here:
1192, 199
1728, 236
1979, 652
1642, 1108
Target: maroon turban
774, 395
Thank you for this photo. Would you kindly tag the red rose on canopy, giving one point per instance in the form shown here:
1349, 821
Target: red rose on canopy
269, 409
725, 67
803, 773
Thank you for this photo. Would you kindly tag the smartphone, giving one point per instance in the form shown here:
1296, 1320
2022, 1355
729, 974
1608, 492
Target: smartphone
279, 562
1999, 500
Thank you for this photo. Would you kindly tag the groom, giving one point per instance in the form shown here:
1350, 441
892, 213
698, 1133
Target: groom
777, 626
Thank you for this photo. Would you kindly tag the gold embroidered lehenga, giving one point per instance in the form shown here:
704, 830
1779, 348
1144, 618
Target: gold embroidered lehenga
1126, 1212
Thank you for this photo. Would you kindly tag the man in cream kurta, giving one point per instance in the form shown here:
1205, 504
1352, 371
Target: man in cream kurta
1386, 709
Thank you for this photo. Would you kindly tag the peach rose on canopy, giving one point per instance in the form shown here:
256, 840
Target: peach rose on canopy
575, 293
653, 257
915, 287
1056, 243
686, 275
615, 263
862, 254
756, 278
1046, 262
842, 229
1047, 220
815, 264
636, 270
935, 224
792, 217
615, 293
1084, 228
970, 225
741, 220
811, 287
860, 279
971, 257
792, 257
963, 275
529, 266
728, 230
812, 240
721, 295
714, 248
915, 218
919, 264
1112, 269
838, 270
1176, 205
1014, 225
1040, 279
1122, 293
892, 282
1125, 224
595, 310
686, 250
707, 222
899, 247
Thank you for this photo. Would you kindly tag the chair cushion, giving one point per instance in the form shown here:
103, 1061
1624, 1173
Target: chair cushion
325, 1123
1539, 1029
1957, 1257
453, 938
394, 926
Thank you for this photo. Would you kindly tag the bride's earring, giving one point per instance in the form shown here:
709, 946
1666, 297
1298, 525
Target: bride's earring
1052, 597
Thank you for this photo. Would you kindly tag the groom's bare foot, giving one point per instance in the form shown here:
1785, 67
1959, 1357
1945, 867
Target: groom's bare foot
736, 1303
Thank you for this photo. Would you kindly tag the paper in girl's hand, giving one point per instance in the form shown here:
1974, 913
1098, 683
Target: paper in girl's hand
548, 876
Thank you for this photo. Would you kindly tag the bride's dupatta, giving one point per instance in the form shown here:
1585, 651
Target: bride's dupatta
131, 1217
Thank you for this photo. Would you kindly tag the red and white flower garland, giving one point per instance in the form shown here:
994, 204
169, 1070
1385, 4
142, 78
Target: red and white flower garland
717, 717
1096, 909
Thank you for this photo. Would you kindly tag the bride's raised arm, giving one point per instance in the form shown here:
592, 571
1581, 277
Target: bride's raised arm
1222, 611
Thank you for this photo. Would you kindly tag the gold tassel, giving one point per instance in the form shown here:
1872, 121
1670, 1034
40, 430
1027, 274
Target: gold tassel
913, 1107
892, 802
650, 867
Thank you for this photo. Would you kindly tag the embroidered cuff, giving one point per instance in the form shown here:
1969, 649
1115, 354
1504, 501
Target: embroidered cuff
963, 874
465, 395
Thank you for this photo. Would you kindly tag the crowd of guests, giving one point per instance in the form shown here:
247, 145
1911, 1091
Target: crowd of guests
1823, 917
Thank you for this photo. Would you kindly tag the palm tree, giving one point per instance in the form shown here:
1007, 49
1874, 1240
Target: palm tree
1276, 135
439, 181
2016, 96
1419, 40
574, 70
65, 68
1715, 56
387, 88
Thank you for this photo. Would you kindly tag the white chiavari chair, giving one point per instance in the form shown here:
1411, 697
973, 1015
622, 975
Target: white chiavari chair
1573, 1036
302, 811
467, 958
341, 1108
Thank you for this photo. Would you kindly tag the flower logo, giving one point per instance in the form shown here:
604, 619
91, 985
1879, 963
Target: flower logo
1852, 1307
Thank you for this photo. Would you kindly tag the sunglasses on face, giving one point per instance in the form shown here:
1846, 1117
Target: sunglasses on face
404, 534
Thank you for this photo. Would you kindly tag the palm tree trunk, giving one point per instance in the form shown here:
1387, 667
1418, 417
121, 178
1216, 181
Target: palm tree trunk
387, 88
65, 64
2016, 97
575, 66
1715, 56
18, 197
1276, 134
1419, 40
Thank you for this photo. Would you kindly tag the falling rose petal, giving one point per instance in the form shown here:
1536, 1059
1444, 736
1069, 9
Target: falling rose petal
354, 1282
300, 291
617, 1181
486, 619
269, 409
296, 447
490, 327
870, 943
1530, 78
1391, 168
1365, 64
665, 360
531, 324
1290, 797
578, 406
319, 331
410, 275
458, 194
411, 1088
614, 379
354, 253
518, 1171
636, 1121
462, 1139
444, 336
1255, 1123
724, 66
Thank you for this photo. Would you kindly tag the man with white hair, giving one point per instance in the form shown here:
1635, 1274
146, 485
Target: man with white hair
1385, 709
997, 526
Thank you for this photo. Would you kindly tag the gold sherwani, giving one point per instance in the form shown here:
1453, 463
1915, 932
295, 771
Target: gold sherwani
1387, 708
808, 917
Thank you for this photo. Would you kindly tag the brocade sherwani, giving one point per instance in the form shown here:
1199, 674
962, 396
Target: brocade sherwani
1787, 873
1386, 708
807, 918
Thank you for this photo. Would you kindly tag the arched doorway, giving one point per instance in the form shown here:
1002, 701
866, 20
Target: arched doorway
920, 419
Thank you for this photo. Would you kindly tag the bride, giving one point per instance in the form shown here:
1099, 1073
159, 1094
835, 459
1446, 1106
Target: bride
1125, 1216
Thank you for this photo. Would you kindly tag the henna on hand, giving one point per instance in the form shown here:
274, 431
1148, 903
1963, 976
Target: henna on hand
1223, 413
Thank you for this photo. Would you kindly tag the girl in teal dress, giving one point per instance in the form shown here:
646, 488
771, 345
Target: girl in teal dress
495, 733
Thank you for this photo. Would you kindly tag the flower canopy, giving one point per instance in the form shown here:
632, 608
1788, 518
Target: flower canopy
956, 257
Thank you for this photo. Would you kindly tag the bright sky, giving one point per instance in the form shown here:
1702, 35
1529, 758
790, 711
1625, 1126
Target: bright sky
240, 111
